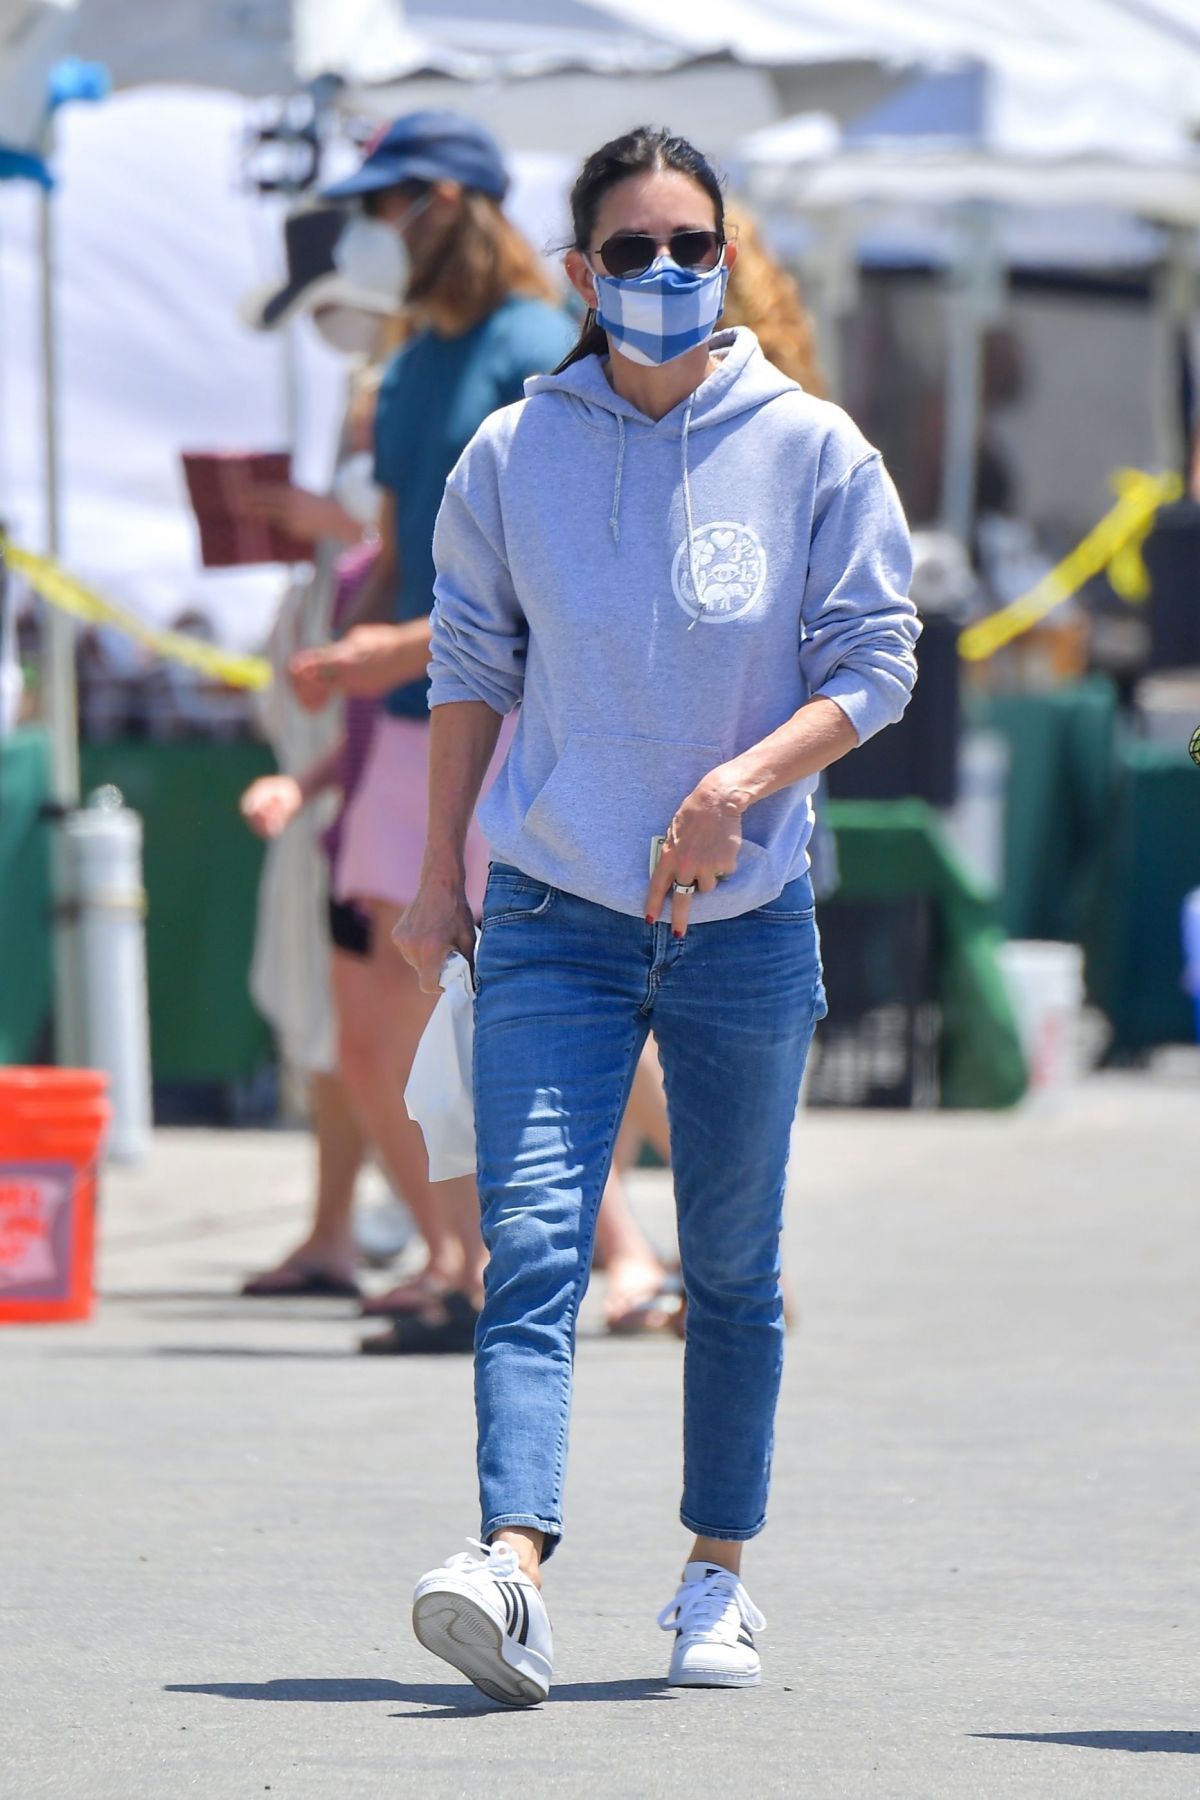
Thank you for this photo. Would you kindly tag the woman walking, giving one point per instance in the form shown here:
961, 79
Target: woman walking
692, 577
429, 226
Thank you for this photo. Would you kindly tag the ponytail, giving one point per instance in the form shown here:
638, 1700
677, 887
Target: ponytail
592, 341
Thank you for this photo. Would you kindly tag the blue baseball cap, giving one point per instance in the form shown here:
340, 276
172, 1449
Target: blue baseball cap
428, 146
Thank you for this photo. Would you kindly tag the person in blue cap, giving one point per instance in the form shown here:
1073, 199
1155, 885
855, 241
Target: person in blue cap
428, 227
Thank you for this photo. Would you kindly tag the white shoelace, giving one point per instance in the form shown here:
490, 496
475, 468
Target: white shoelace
498, 1559
700, 1608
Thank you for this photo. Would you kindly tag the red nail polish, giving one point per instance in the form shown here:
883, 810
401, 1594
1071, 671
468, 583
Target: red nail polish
649, 918
677, 934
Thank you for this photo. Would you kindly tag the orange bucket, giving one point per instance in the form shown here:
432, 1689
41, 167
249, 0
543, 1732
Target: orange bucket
52, 1124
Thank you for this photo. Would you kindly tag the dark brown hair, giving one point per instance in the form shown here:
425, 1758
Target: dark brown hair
647, 148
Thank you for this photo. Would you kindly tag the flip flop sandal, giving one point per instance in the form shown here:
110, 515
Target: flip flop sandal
415, 1335
299, 1283
653, 1312
409, 1297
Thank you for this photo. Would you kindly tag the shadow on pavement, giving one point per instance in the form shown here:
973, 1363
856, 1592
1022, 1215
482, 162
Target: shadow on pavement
1178, 1743
155, 1296
460, 1702
452, 1701
261, 1352
303, 1688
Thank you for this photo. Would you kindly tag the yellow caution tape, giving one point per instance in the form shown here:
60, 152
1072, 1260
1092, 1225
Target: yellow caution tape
59, 589
1114, 543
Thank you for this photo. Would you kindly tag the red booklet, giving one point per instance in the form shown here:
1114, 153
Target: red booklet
218, 482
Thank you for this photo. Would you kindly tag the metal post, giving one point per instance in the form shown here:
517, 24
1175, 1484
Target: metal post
1174, 300
58, 665
974, 302
831, 292
59, 702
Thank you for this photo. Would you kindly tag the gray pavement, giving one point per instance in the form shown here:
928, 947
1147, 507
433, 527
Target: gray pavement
980, 1573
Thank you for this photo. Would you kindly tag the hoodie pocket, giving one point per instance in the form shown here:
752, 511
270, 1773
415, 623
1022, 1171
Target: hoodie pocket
604, 800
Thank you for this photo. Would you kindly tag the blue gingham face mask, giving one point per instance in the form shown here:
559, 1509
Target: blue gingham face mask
661, 314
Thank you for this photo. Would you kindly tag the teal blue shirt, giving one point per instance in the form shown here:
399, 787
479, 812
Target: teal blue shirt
435, 395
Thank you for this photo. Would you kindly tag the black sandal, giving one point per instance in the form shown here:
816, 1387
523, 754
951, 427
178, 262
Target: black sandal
414, 1334
299, 1282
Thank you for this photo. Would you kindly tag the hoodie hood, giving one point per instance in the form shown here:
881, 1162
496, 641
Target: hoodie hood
744, 381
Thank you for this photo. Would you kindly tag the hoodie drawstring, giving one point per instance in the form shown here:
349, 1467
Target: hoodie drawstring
687, 511
614, 517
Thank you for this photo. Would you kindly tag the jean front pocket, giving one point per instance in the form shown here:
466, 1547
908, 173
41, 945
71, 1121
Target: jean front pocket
513, 896
795, 903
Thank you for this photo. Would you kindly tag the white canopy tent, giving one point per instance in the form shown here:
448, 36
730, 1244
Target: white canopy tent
1028, 128
1022, 131
835, 55
562, 75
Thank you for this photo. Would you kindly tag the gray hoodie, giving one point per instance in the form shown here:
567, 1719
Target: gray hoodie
658, 595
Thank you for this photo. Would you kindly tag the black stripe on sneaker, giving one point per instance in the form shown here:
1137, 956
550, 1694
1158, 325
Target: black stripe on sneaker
510, 1607
523, 1634
744, 1637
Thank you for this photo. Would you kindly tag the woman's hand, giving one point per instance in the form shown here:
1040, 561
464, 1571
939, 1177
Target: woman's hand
438, 921
299, 512
313, 677
364, 664
703, 846
271, 803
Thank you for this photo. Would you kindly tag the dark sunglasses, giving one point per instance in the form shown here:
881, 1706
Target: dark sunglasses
632, 252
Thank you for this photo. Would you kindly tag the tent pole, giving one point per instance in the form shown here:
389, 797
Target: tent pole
59, 701
1174, 298
973, 303
830, 278
58, 673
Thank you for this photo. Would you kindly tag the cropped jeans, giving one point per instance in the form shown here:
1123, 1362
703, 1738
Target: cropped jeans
567, 992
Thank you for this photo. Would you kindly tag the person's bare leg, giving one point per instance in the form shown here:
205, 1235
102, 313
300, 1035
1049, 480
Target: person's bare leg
457, 1201
634, 1269
623, 1251
341, 1147
647, 1109
722, 1551
341, 1152
528, 1546
381, 1015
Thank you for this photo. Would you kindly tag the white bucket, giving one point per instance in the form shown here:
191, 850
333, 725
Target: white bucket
1045, 986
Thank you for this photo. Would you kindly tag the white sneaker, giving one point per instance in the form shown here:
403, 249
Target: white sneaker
714, 1621
487, 1618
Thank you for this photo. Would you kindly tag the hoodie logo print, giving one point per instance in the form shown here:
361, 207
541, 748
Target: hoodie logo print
730, 567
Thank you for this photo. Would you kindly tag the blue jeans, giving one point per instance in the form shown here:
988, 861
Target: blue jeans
567, 992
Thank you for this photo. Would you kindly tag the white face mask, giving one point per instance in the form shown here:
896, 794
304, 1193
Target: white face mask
347, 329
374, 256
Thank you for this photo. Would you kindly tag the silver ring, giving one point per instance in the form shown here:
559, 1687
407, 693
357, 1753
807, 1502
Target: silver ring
679, 887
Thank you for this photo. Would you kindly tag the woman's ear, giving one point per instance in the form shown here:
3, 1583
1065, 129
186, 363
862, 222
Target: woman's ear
731, 255
580, 277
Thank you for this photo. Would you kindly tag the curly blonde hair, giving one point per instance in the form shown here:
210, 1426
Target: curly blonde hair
762, 295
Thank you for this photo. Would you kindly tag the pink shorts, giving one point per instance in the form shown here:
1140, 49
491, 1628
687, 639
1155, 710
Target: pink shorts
383, 836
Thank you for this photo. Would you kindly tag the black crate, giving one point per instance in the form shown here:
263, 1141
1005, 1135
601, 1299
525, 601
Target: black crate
880, 1044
